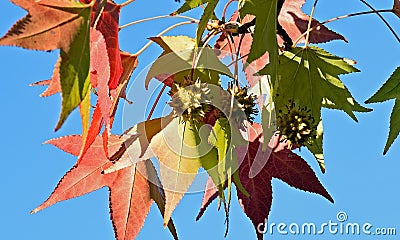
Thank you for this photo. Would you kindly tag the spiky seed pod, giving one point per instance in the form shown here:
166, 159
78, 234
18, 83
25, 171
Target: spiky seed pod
243, 107
191, 102
296, 124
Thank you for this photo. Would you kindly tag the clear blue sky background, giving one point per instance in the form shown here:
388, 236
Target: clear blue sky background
363, 183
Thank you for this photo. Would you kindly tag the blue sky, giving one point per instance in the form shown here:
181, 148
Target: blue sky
363, 183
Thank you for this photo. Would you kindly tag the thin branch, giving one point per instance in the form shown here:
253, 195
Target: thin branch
309, 23
161, 33
99, 12
226, 7
156, 102
157, 17
126, 3
235, 61
237, 57
383, 19
343, 17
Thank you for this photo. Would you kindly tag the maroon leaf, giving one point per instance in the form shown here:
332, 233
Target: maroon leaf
282, 164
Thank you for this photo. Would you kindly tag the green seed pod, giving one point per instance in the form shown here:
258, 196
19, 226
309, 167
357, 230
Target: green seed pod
242, 107
191, 101
296, 124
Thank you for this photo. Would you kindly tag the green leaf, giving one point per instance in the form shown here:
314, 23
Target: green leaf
177, 59
264, 38
309, 77
390, 90
220, 138
180, 151
74, 69
205, 17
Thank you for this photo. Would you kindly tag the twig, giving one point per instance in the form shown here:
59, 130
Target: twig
342, 17
383, 19
156, 102
126, 3
235, 61
157, 17
160, 34
225, 8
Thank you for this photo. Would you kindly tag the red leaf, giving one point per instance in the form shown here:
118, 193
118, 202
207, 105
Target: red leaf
49, 24
108, 25
100, 65
131, 192
54, 85
282, 164
84, 177
258, 205
295, 22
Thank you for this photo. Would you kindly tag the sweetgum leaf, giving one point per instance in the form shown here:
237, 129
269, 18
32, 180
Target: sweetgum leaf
180, 152
282, 163
131, 192
100, 65
205, 17
108, 24
264, 38
177, 60
295, 22
66, 29
220, 138
390, 90
309, 77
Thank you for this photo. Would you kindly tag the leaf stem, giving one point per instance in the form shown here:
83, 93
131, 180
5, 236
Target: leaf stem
157, 17
381, 17
226, 7
343, 17
161, 33
126, 3
236, 61
156, 102
309, 23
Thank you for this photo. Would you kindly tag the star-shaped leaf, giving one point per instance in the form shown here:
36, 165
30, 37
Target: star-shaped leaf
66, 29
132, 190
309, 77
390, 90
181, 152
282, 164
